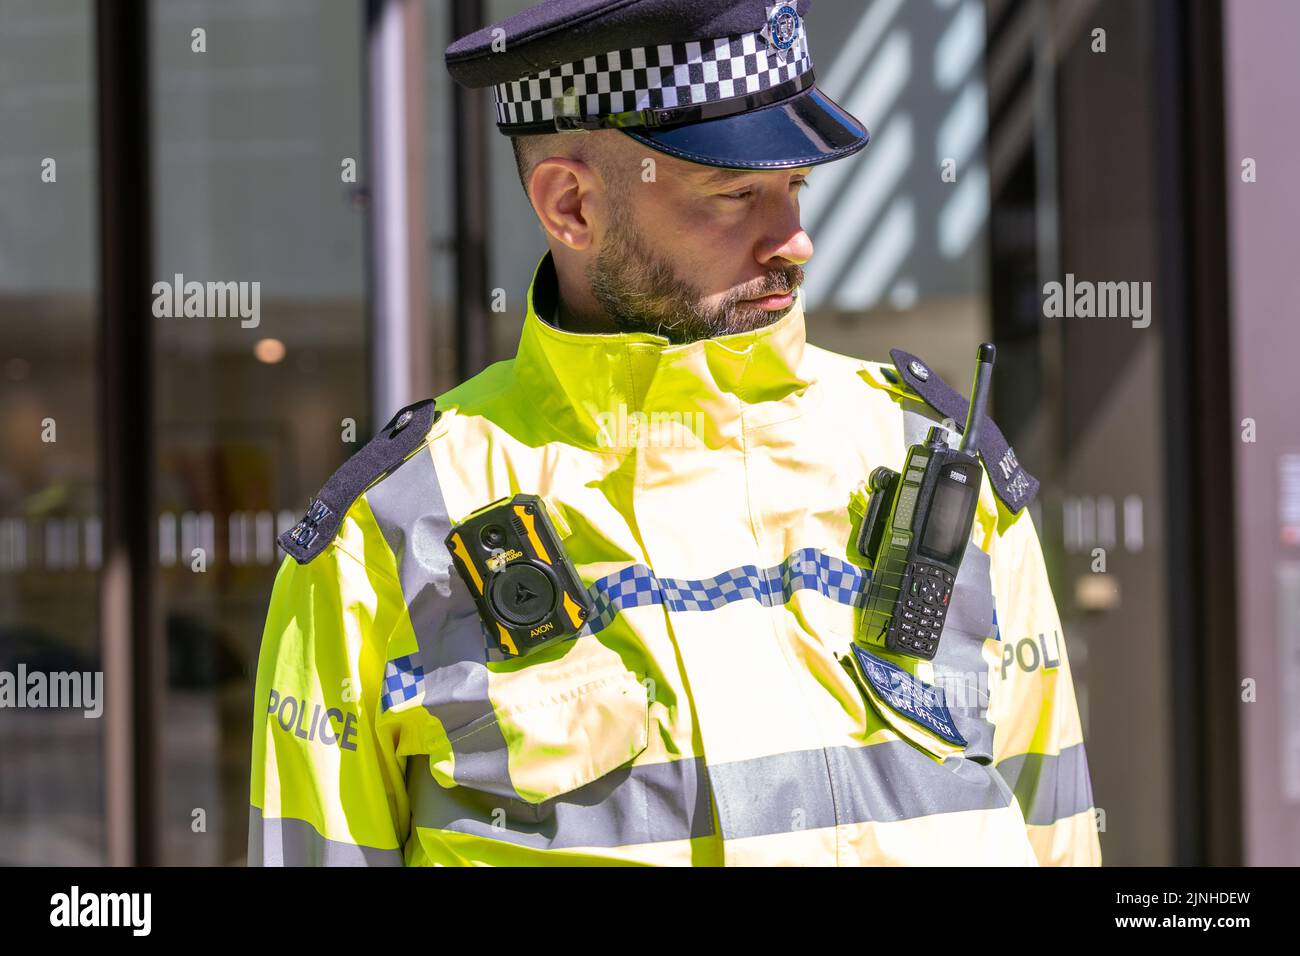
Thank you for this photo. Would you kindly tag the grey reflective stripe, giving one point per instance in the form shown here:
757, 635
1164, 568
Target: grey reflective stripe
651, 803
412, 515
1050, 787
284, 841
881, 783
776, 794
959, 666
918, 417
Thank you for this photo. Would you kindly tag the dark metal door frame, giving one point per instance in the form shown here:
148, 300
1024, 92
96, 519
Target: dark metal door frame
129, 633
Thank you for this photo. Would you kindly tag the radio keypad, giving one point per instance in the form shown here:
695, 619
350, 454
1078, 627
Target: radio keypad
925, 607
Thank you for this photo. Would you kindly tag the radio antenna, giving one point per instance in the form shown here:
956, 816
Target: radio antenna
979, 398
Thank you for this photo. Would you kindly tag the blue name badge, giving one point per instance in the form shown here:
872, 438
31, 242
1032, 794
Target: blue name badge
910, 696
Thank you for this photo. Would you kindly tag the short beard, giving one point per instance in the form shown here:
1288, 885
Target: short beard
640, 292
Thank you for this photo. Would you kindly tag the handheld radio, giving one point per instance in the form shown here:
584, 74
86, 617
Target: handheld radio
527, 591
916, 529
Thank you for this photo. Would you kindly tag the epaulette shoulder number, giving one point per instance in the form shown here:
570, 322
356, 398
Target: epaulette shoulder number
403, 434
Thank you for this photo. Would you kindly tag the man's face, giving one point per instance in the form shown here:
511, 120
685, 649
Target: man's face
687, 255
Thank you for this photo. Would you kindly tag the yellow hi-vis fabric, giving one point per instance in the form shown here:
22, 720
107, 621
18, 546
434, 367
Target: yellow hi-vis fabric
710, 711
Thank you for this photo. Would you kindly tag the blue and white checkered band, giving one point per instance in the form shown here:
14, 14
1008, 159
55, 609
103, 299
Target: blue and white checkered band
662, 85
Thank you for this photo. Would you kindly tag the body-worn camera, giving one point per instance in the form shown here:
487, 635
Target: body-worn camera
526, 588
916, 529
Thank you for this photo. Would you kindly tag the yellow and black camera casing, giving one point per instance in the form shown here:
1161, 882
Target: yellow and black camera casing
526, 588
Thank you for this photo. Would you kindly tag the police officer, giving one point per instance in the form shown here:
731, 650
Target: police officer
703, 465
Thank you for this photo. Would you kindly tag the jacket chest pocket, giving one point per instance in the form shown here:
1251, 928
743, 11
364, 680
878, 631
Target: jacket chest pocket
915, 710
546, 732
941, 705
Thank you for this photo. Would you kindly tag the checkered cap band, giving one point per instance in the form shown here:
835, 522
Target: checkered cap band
657, 77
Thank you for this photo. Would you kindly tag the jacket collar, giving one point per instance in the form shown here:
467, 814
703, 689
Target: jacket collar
590, 385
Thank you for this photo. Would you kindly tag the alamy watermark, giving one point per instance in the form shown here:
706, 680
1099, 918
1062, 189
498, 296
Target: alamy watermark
208, 300
60, 689
1102, 300
129, 910
623, 429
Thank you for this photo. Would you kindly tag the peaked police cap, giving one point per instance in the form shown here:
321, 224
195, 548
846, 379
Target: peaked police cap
725, 83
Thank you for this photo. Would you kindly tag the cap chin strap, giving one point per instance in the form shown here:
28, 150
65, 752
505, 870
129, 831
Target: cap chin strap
568, 118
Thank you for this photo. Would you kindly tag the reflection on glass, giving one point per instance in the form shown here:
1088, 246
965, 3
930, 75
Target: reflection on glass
262, 395
51, 793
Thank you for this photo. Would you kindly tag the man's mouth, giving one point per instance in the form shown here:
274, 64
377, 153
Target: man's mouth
772, 300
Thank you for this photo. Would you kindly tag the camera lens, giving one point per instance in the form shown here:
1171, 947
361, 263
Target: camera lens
493, 537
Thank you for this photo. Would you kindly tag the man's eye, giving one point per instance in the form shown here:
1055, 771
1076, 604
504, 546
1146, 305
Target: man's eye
746, 193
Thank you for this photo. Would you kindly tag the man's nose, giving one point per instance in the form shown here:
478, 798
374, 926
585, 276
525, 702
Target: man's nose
783, 236
797, 248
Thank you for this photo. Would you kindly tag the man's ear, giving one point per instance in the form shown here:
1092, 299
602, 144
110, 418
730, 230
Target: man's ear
568, 199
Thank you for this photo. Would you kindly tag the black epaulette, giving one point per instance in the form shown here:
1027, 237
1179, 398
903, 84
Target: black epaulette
1015, 486
388, 449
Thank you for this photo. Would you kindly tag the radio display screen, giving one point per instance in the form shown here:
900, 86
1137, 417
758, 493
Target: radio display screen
944, 538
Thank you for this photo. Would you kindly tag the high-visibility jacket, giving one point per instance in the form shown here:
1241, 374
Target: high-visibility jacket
710, 711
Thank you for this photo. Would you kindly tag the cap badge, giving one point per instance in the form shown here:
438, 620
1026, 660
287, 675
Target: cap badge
782, 29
